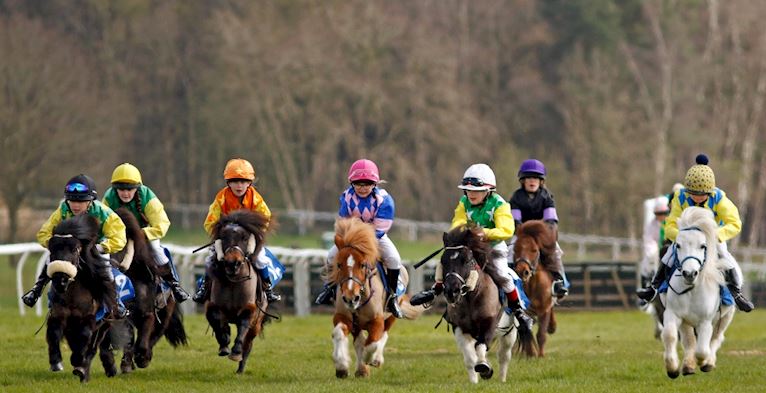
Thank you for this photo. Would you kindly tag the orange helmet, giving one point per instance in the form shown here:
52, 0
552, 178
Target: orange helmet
238, 168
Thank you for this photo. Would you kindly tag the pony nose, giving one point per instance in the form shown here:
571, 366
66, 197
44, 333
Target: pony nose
690, 275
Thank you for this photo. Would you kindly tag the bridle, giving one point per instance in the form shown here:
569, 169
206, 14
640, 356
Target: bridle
677, 264
470, 262
363, 283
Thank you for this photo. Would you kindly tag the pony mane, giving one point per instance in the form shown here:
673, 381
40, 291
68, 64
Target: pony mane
470, 235
253, 222
134, 232
83, 227
697, 217
360, 235
542, 234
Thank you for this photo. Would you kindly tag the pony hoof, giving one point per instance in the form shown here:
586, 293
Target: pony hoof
341, 374
223, 351
673, 374
57, 367
126, 368
111, 372
362, 373
80, 372
236, 357
687, 371
484, 370
707, 368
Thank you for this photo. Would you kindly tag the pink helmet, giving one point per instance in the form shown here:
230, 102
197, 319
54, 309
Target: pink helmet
363, 170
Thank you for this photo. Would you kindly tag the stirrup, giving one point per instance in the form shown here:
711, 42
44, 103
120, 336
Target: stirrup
326, 297
393, 307
743, 304
201, 295
179, 293
272, 297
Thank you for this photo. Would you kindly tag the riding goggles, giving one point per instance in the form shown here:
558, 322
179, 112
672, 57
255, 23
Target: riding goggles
76, 188
473, 181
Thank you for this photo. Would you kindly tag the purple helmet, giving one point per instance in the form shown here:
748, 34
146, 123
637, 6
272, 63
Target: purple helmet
532, 168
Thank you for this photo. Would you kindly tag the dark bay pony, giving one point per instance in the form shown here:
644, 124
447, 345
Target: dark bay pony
474, 309
76, 293
237, 295
361, 298
153, 313
532, 259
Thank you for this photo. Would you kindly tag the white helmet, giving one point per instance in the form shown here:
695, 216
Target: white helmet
661, 205
478, 177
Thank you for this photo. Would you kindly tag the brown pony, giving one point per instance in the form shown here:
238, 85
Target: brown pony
360, 299
532, 261
237, 295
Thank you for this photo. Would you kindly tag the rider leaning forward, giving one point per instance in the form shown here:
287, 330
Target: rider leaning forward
700, 190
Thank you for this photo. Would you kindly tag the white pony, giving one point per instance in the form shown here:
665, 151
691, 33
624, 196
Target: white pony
693, 300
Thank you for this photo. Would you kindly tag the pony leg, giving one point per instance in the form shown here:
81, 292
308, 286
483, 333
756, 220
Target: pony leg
670, 340
247, 346
362, 370
465, 344
505, 348
79, 343
373, 344
340, 354
704, 336
482, 366
143, 333
126, 364
727, 314
53, 335
220, 327
542, 332
688, 342
106, 355
243, 326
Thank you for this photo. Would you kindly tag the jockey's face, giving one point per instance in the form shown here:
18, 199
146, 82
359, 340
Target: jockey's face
239, 186
530, 184
476, 197
78, 207
126, 195
699, 198
363, 188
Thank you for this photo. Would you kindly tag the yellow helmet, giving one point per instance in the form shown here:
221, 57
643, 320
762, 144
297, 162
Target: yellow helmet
238, 168
126, 176
700, 178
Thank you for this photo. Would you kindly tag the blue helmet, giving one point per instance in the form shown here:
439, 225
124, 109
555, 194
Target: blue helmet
532, 168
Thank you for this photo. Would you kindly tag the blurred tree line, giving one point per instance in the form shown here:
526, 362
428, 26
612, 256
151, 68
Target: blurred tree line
616, 97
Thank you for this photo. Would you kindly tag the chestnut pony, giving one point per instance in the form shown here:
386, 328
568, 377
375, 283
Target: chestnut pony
532, 259
360, 299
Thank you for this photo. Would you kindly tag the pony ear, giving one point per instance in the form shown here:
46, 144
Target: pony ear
251, 244
218, 249
338, 241
444, 238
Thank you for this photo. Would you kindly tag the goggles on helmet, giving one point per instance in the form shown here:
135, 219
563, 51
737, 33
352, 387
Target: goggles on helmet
473, 181
76, 188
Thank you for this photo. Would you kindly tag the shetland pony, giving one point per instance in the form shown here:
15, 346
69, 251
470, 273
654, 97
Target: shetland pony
693, 300
360, 299
532, 252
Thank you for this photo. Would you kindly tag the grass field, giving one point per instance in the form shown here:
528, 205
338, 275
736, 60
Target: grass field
592, 352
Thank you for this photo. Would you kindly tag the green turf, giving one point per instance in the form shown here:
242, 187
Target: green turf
592, 352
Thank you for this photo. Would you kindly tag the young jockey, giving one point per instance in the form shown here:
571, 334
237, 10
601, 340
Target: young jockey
481, 205
128, 191
533, 201
700, 190
375, 206
239, 193
80, 198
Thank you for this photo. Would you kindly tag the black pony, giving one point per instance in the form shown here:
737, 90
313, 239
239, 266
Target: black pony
237, 294
153, 313
473, 303
78, 289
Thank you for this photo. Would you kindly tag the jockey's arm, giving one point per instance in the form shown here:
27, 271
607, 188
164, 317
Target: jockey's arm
671, 223
213, 215
460, 218
158, 220
729, 215
46, 231
114, 234
504, 226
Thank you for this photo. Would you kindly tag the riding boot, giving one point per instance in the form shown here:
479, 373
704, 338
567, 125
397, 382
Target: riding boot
735, 287
428, 295
202, 290
167, 275
30, 298
648, 293
525, 321
270, 295
392, 303
559, 290
327, 296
